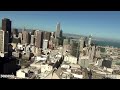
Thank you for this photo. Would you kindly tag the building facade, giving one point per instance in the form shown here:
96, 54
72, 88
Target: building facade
57, 34
26, 37
38, 38
46, 35
32, 42
4, 42
89, 40
45, 44
6, 26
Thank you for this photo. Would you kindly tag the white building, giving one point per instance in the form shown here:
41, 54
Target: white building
32, 42
70, 59
37, 51
84, 61
33, 49
45, 44
14, 45
78, 76
20, 46
21, 73
65, 66
75, 66
89, 40
46, 67
109, 70
39, 58
113, 76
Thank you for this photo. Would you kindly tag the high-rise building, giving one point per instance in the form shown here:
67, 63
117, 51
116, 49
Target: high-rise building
61, 33
45, 44
86, 42
89, 40
4, 42
66, 45
33, 31
20, 35
97, 53
52, 36
74, 48
26, 37
6, 26
15, 32
61, 38
81, 44
92, 53
57, 34
1, 41
38, 38
46, 35
32, 40
29, 38
52, 42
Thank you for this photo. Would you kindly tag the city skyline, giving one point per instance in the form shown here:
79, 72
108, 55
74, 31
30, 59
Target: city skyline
98, 23
45, 53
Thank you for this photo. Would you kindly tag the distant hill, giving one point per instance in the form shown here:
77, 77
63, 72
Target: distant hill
72, 35
93, 38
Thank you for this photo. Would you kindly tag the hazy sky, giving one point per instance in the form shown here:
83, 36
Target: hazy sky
98, 23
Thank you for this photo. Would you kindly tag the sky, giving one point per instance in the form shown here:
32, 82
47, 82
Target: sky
104, 24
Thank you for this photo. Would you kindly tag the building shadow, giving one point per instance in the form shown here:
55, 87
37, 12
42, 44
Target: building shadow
8, 65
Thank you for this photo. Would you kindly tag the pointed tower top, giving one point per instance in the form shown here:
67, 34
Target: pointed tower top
58, 23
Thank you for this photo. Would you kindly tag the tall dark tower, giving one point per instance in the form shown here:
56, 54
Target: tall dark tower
6, 26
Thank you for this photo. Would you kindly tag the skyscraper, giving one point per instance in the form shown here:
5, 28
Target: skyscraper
74, 48
38, 38
52, 36
57, 34
1, 41
45, 44
46, 35
32, 40
61, 38
66, 45
89, 40
6, 26
25, 37
52, 41
4, 42
81, 44
20, 35
15, 32
92, 53
97, 52
86, 41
